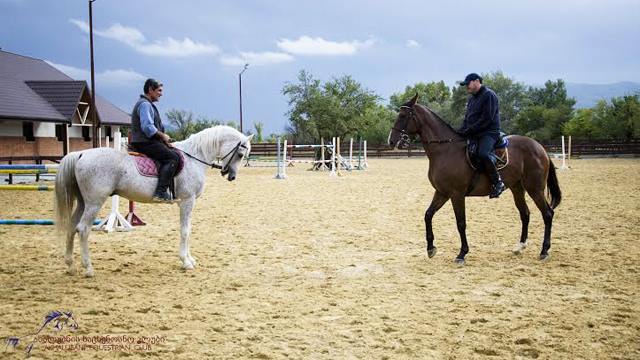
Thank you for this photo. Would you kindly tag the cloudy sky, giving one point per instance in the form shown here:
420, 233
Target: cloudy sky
197, 48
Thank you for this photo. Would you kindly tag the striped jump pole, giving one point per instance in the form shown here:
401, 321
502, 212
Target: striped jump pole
28, 187
29, 167
32, 222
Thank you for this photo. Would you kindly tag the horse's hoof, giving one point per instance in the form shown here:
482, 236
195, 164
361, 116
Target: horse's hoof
89, 273
545, 257
71, 271
519, 248
459, 262
193, 261
188, 266
431, 252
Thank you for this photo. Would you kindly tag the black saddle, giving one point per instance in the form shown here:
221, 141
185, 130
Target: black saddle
499, 154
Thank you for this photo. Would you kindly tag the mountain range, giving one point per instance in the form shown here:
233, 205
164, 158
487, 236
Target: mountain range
587, 95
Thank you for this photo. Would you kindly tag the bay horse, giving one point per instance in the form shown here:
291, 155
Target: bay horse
529, 169
89, 177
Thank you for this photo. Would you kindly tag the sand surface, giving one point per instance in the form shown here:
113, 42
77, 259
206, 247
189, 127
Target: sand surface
335, 268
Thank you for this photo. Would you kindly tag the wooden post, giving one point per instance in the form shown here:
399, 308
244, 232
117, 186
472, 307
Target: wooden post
322, 164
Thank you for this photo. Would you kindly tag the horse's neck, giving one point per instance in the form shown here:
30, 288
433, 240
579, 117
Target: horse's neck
433, 129
209, 148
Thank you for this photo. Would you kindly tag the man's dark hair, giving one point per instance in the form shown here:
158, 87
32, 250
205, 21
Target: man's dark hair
151, 84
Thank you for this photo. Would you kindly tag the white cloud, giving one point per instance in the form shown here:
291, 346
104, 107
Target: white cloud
168, 47
413, 44
306, 45
253, 58
116, 77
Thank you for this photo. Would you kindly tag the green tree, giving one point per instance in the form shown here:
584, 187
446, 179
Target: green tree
182, 123
545, 111
512, 96
433, 95
581, 125
259, 128
335, 108
624, 120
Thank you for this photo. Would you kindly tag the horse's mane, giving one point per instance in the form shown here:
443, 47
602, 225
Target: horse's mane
438, 117
208, 141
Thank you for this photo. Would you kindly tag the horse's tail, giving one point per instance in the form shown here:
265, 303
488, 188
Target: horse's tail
553, 186
66, 192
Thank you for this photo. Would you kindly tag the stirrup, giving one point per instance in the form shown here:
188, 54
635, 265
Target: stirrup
162, 197
497, 189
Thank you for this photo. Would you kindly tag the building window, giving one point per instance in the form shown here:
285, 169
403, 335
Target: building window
27, 131
60, 132
107, 132
86, 133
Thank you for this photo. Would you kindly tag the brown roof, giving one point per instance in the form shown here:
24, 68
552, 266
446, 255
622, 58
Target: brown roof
31, 89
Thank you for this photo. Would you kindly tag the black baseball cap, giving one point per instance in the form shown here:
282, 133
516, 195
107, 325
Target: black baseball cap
469, 78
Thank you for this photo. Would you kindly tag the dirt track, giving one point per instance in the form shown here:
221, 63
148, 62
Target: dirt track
336, 268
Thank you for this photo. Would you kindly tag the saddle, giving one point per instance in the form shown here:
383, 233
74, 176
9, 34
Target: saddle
149, 167
499, 155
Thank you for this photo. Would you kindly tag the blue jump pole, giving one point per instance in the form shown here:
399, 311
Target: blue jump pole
33, 222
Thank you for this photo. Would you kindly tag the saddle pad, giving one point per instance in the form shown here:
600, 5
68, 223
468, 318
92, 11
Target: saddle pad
147, 166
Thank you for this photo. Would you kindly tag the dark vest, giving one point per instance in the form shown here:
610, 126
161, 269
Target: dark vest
137, 135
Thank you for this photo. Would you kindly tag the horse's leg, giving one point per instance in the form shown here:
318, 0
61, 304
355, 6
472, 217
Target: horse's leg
71, 233
84, 229
547, 215
518, 197
186, 206
459, 209
436, 203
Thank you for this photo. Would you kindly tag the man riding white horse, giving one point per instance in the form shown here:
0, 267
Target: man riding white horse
148, 137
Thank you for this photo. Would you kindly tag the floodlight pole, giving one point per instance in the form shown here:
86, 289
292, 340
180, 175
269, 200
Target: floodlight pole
240, 87
94, 118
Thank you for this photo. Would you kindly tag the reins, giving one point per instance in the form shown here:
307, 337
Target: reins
405, 136
223, 168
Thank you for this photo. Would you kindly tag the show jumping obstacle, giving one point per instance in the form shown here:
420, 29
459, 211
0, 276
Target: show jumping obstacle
115, 221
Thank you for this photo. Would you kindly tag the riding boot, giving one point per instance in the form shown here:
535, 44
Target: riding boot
497, 186
165, 175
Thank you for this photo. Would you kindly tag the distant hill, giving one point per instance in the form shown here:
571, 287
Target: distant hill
587, 95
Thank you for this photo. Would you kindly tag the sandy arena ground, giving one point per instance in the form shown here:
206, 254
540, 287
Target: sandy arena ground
335, 268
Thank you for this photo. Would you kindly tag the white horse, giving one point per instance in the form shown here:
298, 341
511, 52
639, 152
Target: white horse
91, 176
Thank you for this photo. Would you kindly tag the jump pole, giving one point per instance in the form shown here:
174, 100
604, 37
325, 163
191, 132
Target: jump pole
351, 154
115, 221
333, 158
281, 165
322, 164
365, 165
564, 164
131, 217
569, 151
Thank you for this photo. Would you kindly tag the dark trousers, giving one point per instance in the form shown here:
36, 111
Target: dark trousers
486, 143
167, 158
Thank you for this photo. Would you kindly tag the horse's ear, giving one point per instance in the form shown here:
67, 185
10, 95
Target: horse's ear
250, 137
413, 100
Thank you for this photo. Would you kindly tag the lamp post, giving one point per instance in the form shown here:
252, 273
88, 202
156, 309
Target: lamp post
240, 87
94, 119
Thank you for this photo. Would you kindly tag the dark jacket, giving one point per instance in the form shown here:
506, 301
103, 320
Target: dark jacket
483, 114
137, 135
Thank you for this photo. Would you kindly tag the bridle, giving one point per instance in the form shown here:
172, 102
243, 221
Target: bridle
405, 139
224, 169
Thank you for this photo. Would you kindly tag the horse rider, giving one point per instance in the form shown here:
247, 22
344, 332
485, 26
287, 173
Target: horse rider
482, 124
148, 137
